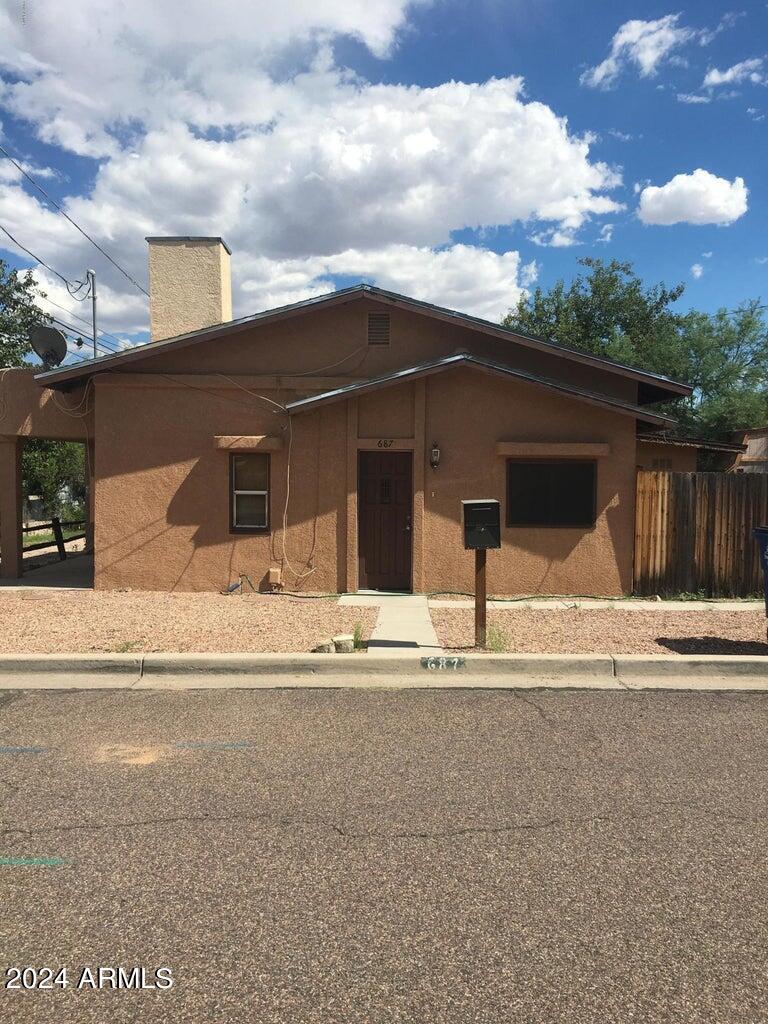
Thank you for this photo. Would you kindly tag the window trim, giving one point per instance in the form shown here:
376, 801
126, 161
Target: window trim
552, 526
233, 527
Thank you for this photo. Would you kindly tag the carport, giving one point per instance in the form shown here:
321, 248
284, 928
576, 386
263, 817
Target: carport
28, 411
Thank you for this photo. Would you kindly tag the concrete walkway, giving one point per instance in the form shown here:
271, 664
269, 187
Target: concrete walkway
404, 624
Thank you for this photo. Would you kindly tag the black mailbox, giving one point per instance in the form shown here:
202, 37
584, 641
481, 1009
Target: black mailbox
482, 524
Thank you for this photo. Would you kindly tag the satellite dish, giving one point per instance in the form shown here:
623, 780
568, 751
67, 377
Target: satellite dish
49, 344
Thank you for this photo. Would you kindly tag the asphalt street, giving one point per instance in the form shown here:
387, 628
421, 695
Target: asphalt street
385, 856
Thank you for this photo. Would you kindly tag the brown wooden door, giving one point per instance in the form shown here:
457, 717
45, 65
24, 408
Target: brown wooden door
385, 502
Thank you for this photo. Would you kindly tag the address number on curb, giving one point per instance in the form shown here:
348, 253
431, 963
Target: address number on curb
435, 664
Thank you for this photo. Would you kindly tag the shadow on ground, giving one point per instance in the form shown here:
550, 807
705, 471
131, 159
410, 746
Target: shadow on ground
711, 645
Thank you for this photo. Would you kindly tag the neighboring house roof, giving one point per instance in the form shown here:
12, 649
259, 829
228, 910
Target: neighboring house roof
653, 387
464, 358
692, 442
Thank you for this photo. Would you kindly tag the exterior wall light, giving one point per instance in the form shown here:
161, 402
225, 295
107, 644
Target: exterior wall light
434, 455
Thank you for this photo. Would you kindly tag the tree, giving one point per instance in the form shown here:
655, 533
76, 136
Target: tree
19, 313
55, 470
611, 312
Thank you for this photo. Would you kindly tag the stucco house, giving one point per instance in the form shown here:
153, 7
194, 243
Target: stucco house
327, 445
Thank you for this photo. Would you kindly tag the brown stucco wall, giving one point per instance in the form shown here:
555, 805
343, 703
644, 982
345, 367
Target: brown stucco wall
162, 490
27, 410
467, 413
657, 455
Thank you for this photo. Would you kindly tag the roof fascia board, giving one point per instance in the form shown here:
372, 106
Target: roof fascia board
428, 369
150, 349
53, 377
541, 344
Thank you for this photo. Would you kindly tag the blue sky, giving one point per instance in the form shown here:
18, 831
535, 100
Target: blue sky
342, 141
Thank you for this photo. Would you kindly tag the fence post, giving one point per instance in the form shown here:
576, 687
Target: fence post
58, 537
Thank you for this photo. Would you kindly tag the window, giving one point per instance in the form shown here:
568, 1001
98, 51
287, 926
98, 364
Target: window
249, 479
378, 328
551, 492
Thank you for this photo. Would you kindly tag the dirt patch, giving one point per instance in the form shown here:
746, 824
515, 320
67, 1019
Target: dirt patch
85, 621
584, 631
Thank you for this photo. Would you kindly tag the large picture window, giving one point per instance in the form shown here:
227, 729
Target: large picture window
249, 498
551, 492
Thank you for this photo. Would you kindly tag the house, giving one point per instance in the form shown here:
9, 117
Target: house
753, 457
327, 445
676, 454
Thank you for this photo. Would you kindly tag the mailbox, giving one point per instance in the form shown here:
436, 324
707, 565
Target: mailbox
482, 524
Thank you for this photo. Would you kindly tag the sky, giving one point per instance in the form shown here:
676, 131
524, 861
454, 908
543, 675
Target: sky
463, 153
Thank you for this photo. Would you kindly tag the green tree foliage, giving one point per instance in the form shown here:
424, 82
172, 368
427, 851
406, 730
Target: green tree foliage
18, 314
610, 312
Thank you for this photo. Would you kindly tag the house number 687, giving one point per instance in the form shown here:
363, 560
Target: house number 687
385, 443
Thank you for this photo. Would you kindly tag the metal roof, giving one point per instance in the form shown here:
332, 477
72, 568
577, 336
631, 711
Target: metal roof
657, 387
692, 442
466, 359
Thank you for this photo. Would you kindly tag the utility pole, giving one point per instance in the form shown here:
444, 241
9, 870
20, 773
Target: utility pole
91, 278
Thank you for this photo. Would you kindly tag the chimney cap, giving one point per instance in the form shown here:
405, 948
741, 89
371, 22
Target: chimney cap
188, 238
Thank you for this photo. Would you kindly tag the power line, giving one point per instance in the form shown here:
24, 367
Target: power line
77, 285
74, 223
74, 316
75, 330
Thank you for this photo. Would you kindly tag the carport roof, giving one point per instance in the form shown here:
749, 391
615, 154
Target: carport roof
409, 373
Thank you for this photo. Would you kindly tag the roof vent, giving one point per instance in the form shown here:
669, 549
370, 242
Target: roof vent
378, 328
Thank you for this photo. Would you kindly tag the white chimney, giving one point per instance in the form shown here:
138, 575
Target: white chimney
190, 285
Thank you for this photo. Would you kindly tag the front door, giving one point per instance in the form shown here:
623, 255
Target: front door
385, 502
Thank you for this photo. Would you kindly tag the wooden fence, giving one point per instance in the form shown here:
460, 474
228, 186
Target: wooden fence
693, 533
56, 527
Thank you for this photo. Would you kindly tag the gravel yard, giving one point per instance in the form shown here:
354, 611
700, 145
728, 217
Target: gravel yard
48, 622
586, 631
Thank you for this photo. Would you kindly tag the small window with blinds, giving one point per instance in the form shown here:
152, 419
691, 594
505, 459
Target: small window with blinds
378, 328
249, 493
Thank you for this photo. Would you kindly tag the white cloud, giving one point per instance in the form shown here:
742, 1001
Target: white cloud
606, 233
646, 44
745, 71
555, 238
464, 277
707, 255
692, 98
235, 121
697, 198
697, 271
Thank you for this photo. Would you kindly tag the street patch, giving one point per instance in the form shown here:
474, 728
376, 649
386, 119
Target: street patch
21, 750
130, 755
213, 745
32, 862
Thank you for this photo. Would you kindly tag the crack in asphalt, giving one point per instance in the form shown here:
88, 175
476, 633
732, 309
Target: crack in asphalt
447, 833
537, 707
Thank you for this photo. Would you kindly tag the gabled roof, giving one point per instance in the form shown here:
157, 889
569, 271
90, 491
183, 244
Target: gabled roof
465, 359
653, 387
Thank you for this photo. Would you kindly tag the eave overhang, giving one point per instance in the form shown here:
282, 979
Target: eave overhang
427, 369
652, 387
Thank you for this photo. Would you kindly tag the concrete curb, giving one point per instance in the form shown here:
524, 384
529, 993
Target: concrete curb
484, 671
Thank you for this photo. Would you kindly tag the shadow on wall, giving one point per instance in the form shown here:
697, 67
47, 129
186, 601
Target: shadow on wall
194, 480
